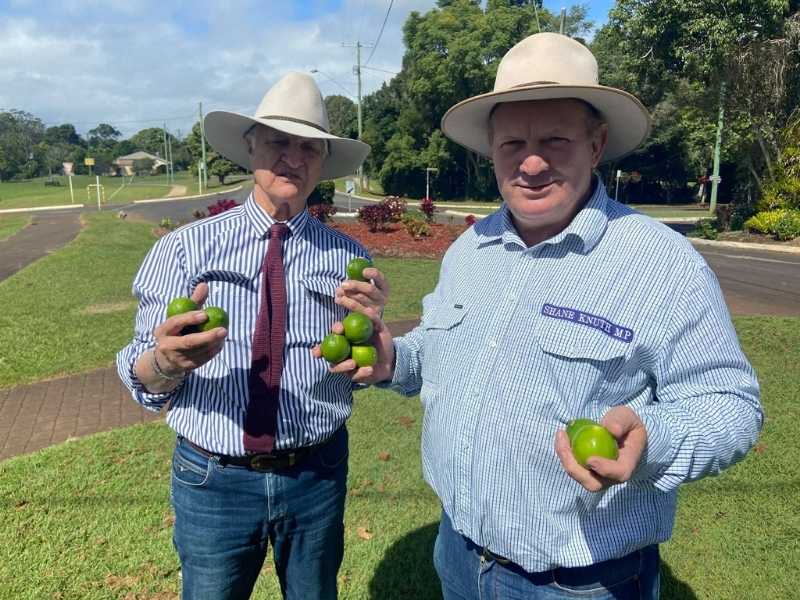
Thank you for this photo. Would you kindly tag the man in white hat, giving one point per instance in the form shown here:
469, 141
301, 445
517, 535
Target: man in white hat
570, 305
261, 454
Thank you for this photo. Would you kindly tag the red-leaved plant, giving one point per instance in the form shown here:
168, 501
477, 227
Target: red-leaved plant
221, 206
470, 220
322, 212
429, 208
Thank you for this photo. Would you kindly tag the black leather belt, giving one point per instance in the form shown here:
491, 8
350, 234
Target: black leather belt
262, 462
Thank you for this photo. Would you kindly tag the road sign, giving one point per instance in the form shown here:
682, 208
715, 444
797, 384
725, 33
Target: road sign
715, 178
89, 162
350, 186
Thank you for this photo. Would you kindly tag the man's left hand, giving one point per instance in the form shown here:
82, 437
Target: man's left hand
368, 297
631, 435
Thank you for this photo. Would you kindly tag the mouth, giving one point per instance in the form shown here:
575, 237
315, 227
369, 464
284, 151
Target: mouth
292, 177
535, 189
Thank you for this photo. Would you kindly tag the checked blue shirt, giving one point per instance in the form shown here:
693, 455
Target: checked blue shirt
515, 342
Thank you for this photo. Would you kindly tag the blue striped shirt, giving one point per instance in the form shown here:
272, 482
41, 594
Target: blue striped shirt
617, 309
226, 251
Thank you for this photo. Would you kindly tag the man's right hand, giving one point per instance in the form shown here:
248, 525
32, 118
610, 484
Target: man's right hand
178, 353
382, 370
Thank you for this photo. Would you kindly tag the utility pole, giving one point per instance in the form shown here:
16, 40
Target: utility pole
715, 178
563, 18
203, 166
166, 153
357, 71
171, 164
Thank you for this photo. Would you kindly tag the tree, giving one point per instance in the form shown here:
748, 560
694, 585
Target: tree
20, 133
104, 136
63, 134
152, 140
342, 115
221, 167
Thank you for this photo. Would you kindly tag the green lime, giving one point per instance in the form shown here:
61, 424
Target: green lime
217, 317
357, 327
180, 305
365, 356
335, 348
576, 425
355, 268
594, 440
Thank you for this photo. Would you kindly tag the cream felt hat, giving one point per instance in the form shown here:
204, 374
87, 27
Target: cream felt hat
294, 105
547, 66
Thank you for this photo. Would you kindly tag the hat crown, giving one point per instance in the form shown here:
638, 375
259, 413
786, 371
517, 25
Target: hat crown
546, 58
295, 97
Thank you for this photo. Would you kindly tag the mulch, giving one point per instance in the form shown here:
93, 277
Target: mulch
394, 240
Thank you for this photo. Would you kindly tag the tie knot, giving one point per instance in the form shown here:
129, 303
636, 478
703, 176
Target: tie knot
278, 231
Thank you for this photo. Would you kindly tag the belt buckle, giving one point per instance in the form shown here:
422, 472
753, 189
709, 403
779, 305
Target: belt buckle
489, 555
261, 462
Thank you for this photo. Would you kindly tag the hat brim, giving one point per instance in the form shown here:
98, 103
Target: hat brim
467, 123
225, 133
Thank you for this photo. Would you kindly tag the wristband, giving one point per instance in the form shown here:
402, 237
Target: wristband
157, 370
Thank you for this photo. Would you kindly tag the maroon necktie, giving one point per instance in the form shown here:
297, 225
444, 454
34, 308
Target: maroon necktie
261, 421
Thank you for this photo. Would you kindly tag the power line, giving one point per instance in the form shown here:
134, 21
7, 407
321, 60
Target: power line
160, 120
380, 33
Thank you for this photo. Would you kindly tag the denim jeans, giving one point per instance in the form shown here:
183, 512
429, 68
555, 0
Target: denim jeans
466, 575
227, 516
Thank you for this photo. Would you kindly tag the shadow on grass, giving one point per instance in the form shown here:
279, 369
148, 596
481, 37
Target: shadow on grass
406, 570
673, 588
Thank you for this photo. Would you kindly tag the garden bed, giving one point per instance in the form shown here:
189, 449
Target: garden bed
394, 240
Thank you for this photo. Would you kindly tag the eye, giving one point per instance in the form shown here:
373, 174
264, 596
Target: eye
557, 140
511, 144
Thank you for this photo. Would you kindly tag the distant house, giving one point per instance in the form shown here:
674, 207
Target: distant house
125, 163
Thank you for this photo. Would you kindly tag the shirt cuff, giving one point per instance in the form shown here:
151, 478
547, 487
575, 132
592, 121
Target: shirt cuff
659, 453
151, 401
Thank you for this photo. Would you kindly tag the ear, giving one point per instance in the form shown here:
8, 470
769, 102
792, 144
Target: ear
599, 141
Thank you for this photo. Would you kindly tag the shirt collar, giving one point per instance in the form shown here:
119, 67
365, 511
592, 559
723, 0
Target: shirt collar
589, 224
260, 221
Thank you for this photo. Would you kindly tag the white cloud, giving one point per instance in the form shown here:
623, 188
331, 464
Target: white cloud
86, 62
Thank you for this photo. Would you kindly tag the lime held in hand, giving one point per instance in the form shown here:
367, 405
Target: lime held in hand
335, 348
357, 327
593, 440
365, 356
217, 317
576, 425
355, 268
180, 305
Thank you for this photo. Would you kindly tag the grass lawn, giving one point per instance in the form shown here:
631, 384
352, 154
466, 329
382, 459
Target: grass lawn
79, 298
33, 193
11, 224
90, 519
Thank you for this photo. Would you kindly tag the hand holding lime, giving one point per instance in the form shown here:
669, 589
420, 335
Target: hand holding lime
576, 425
593, 440
355, 268
217, 317
180, 305
365, 356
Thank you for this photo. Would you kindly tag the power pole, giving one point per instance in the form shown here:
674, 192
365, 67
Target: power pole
203, 166
715, 178
357, 70
171, 164
563, 18
166, 153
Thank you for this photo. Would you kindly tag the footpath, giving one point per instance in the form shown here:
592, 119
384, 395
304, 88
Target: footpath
48, 412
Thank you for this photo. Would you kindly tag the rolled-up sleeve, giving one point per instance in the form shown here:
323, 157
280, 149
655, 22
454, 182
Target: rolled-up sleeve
707, 413
161, 277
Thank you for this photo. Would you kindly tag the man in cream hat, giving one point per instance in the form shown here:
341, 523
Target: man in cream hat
570, 306
261, 453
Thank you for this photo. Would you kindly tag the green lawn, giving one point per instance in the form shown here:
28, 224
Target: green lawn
90, 519
11, 224
81, 298
30, 194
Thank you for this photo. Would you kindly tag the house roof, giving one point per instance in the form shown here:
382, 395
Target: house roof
140, 154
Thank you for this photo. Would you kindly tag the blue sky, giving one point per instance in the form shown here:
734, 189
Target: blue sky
139, 63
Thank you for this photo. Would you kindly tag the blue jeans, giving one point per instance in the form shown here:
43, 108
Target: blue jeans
466, 574
227, 516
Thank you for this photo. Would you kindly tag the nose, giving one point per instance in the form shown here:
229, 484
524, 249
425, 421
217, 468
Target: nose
534, 163
293, 155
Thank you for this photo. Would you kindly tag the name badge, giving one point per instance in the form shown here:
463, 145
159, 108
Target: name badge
623, 334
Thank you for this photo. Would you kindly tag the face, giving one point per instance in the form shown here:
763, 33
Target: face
544, 153
286, 168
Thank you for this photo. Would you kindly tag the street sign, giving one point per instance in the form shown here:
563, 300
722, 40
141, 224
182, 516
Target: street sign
89, 162
350, 186
715, 178
619, 173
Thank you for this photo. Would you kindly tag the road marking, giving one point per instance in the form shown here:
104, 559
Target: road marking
756, 258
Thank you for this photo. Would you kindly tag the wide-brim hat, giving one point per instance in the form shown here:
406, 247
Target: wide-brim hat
294, 105
547, 66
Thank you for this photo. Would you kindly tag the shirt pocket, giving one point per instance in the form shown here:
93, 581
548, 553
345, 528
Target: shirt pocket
313, 311
582, 366
444, 342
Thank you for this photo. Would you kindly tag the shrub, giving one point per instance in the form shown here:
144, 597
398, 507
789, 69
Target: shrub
429, 208
470, 220
322, 212
788, 226
706, 229
416, 224
764, 221
377, 216
199, 214
322, 194
395, 207
221, 206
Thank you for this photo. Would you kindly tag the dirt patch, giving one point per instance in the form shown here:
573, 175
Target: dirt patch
756, 238
102, 309
177, 190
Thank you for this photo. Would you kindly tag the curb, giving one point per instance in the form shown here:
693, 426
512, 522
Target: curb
40, 208
171, 198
